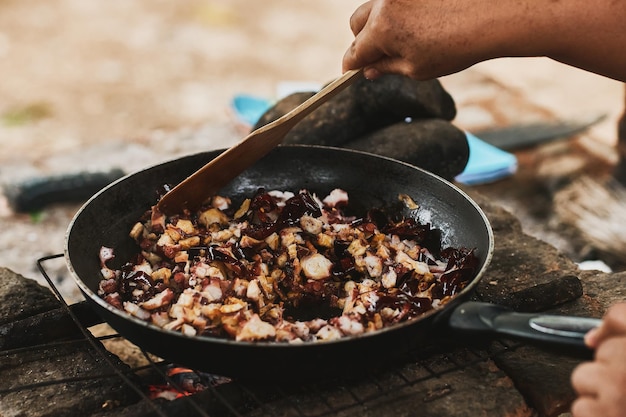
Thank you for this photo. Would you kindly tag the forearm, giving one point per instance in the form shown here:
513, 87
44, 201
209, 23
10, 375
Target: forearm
580, 33
587, 34
592, 36
431, 38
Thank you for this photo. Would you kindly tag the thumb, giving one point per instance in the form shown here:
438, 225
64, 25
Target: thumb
361, 53
591, 338
391, 65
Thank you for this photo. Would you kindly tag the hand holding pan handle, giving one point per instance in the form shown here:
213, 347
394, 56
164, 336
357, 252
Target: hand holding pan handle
491, 318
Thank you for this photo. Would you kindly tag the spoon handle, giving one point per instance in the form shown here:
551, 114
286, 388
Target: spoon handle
290, 119
539, 327
205, 182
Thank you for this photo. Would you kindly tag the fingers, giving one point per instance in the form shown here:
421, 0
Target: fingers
371, 73
613, 324
601, 391
612, 353
387, 65
359, 17
355, 56
609, 364
586, 379
585, 407
364, 49
390, 65
361, 53
376, 47
591, 338
601, 384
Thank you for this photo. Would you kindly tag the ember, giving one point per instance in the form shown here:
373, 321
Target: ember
183, 382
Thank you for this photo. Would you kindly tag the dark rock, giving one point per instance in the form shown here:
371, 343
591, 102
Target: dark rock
59, 380
525, 273
601, 290
37, 378
48, 326
545, 295
288, 103
542, 377
22, 297
606, 289
33, 194
364, 107
435, 145
405, 97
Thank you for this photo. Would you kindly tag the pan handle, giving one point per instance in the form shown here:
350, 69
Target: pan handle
491, 318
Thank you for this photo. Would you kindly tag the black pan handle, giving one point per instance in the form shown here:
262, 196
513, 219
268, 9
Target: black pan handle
495, 319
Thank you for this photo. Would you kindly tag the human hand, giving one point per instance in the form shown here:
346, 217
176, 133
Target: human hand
601, 384
426, 39
422, 39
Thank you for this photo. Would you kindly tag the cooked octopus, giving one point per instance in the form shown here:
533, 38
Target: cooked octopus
284, 267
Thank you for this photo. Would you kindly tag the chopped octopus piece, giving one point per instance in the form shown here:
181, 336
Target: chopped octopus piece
256, 329
239, 272
316, 266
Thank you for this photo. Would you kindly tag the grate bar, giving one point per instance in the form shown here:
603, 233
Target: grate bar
92, 340
234, 396
291, 401
181, 390
255, 398
57, 381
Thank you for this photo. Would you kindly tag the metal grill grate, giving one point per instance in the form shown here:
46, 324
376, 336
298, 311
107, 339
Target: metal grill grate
225, 397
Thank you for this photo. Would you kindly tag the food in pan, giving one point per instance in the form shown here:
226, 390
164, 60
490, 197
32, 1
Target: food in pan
284, 267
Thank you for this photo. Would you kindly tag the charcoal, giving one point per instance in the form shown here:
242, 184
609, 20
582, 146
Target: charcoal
432, 144
363, 107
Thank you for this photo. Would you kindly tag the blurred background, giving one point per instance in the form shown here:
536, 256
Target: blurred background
80, 74
76, 72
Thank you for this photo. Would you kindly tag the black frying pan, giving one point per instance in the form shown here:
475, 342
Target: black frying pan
370, 181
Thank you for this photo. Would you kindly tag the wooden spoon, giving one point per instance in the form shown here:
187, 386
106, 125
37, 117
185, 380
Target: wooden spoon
204, 183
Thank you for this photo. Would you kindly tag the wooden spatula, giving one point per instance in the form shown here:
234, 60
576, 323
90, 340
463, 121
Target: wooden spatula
204, 183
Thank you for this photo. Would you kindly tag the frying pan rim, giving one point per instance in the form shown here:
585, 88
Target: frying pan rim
93, 297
